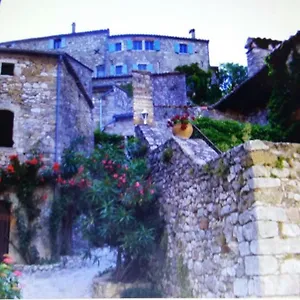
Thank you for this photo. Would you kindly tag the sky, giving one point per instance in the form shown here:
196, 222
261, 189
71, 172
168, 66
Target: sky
225, 23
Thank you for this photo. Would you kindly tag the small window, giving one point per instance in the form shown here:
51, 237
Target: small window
118, 46
142, 67
137, 45
183, 48
6, 125
149, 45
119, 70
7, 69
57, 43
100, 71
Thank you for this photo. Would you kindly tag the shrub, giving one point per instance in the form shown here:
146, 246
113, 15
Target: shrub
141, 293
9, 285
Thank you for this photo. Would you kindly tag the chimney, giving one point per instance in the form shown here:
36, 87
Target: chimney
73, 27
257, 50
192, 32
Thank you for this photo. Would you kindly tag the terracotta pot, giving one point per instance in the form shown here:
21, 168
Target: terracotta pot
186, 133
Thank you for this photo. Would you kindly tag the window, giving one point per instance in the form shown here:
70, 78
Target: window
118, 46
100, 71
142, 67
7, 69
119, 70
137, 45
183, 48
149, 45
6, 125
57, 43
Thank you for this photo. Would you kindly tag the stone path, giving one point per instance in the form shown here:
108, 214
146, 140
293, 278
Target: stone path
65, 283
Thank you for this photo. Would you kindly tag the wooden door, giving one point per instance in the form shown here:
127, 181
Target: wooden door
4, 227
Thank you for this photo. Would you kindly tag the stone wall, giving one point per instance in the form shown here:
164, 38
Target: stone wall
75, 118
116, 102
232, 222
41, 240
31, 95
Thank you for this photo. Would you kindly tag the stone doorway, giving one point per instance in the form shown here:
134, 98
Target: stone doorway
4, 227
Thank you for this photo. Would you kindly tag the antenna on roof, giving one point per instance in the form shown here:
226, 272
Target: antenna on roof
193, 34
73, 27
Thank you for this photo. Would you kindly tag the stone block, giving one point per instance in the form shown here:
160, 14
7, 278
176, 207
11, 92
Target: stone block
290, 230
256, 171
260, 265
281, 173
204, 223
267, 229
240, 287
290, 266
255, 145
270, 213
293, 214
244, 248
275, 246
250, 231
246, 217
260, 183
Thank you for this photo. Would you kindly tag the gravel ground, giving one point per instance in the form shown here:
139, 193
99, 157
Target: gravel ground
65, 283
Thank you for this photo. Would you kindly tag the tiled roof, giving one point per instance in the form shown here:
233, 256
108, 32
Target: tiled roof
156, 36
102, 31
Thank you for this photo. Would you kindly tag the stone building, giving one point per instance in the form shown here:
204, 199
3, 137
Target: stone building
45, 102
248, 102
117, 55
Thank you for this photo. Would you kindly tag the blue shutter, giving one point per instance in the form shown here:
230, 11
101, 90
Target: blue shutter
135, 67
190, 49
150, 68
63, 43
129, 45
51, 44
111, 47
157, 45
125, 69
176, 48
112, 70
95, 72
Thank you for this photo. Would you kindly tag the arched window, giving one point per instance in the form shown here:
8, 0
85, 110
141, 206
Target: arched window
6, 125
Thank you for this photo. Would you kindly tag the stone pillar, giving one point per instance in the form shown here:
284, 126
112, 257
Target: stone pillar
142, 96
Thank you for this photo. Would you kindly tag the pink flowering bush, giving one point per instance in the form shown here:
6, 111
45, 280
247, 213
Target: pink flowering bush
9, 284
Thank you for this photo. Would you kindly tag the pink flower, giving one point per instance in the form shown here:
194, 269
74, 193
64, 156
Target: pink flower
80, 169
8, 260
115, 176
151, 192
137, 184
17, 273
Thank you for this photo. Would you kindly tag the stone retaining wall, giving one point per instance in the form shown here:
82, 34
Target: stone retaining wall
232, 222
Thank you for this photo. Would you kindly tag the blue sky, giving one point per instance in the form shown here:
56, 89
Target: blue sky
225, 23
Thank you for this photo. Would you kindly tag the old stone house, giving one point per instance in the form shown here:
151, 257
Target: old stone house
248, 102
45, 103
117, 55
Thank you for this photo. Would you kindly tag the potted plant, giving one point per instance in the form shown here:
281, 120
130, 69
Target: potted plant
182, 125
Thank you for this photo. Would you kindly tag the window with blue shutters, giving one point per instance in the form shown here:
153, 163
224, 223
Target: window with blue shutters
100, 71
118, 46
129, 45
59, 43
150, 68
183, 48
124, 69
142, 67
51, 44
190, 49
149, 45
137, 45
135, 67
157, 45
176, 48
119, 70
111, 47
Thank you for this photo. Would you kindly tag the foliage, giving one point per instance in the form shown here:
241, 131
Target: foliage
167, 155
141, 293
200, 88
24, 178
116, 200
9, 284
226, 134
230, 76
284, 72
102, 137
128, 88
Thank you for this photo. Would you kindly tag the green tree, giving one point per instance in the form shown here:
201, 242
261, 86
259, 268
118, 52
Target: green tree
200, 88
230, 76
